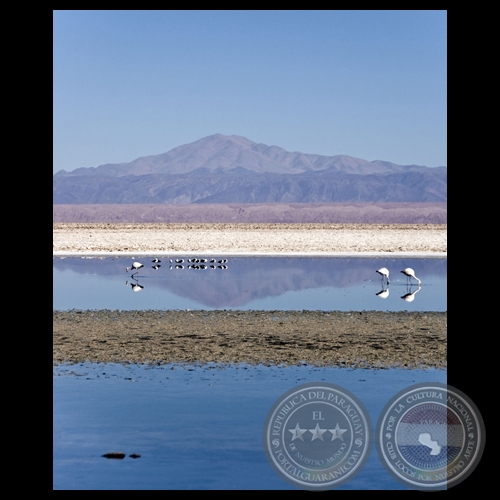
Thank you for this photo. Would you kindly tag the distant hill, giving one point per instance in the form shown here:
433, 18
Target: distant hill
233, 169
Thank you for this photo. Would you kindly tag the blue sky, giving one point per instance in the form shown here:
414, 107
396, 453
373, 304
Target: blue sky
369, 84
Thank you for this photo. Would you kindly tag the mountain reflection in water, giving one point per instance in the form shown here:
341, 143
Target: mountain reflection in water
319, 283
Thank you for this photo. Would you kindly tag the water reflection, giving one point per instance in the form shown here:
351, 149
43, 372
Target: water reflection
135, 286
194, 263
409, 295
383, 294
211, 282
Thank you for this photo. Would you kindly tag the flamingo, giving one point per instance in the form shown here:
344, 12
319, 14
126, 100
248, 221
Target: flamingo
135, 266
410, 273
384, 272
156, 261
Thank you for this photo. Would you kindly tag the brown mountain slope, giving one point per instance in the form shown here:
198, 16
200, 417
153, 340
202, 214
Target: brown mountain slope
349, 213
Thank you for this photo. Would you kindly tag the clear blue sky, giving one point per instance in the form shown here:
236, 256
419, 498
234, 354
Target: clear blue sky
369, 84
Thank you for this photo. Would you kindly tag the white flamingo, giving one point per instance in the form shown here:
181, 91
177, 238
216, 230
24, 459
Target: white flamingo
135, 266
410, 273
384, 272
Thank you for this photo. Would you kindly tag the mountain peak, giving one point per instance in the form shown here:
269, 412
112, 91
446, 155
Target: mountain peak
219, 152
233, 169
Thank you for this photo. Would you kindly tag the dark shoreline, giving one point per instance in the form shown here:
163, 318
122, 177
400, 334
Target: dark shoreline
368, 339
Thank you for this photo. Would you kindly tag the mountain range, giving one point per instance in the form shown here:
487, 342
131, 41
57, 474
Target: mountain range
234, 169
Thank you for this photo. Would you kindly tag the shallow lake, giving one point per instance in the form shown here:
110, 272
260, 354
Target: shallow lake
194, 427
200, 427
273, 283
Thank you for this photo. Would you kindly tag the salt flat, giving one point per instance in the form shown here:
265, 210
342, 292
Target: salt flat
255, 239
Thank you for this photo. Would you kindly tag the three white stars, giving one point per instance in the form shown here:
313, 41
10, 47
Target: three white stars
317, 432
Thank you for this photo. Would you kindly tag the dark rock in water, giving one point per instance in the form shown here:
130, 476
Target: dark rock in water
115, 454
135, 455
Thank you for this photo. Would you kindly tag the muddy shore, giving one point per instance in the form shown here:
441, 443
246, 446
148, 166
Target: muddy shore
367, 339
347, 339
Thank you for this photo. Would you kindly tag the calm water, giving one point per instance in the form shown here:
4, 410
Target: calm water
341, 283
200, 427
194, 427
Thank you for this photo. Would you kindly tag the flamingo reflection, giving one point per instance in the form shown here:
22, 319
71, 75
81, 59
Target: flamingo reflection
383, 294
410, 296
135, 286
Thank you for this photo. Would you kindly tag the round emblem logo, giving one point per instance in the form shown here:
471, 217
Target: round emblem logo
430, 436
317, 436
